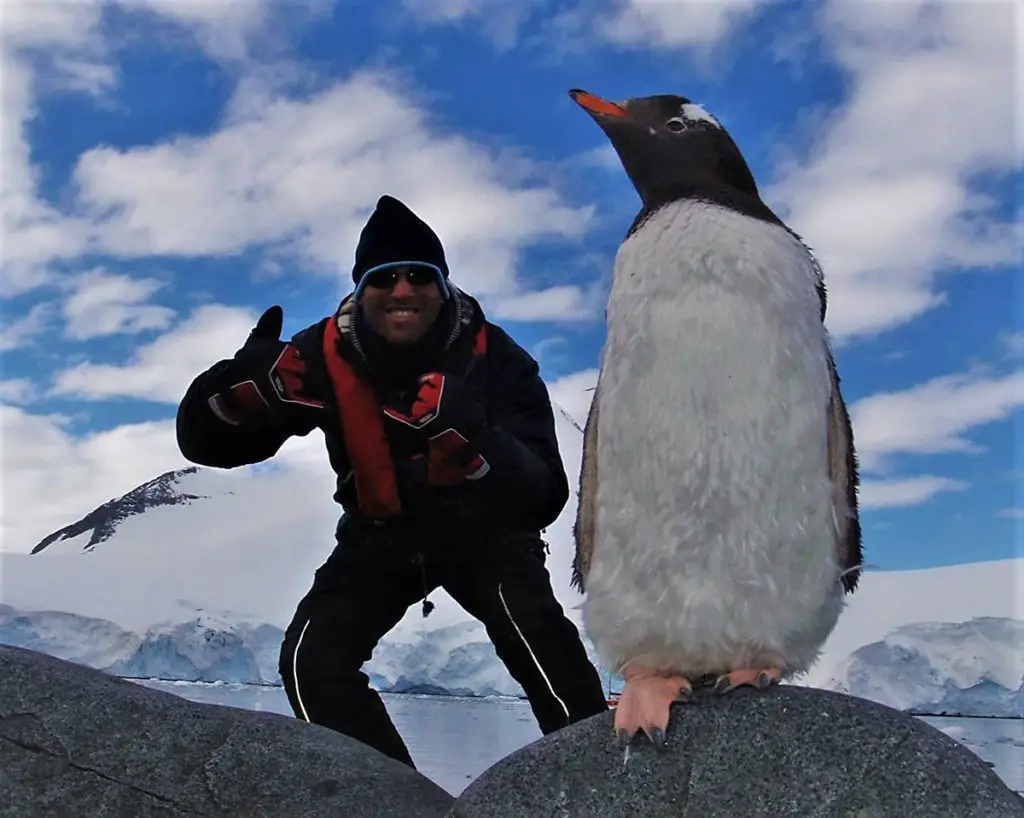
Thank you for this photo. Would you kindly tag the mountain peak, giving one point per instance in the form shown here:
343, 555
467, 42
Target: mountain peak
572, 421
103, 520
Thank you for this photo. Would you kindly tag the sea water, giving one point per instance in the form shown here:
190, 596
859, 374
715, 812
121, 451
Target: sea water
453, 740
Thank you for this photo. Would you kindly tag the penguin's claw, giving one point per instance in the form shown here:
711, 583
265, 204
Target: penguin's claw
644, 704
761, 678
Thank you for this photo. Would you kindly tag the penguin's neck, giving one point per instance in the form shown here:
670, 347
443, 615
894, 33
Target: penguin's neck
687, 245
670, 193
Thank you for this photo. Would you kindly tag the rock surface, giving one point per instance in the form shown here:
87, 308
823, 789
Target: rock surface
78, 742
792, 751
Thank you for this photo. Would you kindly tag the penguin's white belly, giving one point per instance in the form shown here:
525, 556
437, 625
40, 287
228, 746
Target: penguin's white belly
714, 536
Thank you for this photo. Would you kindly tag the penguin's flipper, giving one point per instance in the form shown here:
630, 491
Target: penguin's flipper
843, 470
583, 529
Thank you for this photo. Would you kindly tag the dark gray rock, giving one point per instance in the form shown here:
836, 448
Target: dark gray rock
792, 751
78, 742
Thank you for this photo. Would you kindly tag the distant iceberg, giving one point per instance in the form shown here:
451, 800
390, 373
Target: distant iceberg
198, 650
85, 640
972, 668
201, 649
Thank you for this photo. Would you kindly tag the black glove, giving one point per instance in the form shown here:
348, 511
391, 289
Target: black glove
264, 382
445, 410
441, 402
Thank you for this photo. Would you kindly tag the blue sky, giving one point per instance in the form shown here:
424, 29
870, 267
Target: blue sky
173, 167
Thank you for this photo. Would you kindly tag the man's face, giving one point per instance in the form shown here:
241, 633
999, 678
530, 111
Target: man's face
401, 303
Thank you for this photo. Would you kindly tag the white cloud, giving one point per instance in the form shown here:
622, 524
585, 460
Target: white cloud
1013, 343
450, 10
16, 390
222, 28
885, 195
53, 45
561, 303
932, 417
162, 370
306, 454
19, 332
698, 26
98, 304
51, 478
1012, 513
105, 304
670, 23
579, 25
500, 19
303, 175
902, 492
47, 44
574, 393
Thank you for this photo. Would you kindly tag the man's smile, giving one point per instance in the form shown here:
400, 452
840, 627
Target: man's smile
402, 312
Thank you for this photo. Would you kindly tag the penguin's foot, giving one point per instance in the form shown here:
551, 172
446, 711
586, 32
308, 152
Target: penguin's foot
761, 678
645, 702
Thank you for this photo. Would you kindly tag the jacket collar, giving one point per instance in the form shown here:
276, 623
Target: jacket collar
463, 310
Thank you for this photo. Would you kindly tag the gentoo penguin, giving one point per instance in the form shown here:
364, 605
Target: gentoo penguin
717, 531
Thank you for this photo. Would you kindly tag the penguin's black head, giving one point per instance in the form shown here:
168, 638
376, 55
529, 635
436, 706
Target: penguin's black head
672, 149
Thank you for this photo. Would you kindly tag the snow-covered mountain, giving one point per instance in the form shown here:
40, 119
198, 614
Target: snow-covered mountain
195, 574
972, 668
101, 523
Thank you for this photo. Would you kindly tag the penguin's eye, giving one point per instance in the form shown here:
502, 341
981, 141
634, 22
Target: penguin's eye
676, 125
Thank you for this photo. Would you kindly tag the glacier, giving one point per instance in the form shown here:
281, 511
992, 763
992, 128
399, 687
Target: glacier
457, 660
85, 640
972, 668
200, 650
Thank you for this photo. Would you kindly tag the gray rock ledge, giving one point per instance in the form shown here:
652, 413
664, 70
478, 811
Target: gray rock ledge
78, 742
793, 751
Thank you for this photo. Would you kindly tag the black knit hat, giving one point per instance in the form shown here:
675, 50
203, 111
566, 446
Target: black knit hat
394, 233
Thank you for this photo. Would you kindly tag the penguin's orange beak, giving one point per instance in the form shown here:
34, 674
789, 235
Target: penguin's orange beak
596, 105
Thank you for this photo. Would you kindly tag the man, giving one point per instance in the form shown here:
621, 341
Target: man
442, 436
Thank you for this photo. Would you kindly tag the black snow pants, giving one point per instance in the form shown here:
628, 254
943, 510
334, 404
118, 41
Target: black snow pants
369, 582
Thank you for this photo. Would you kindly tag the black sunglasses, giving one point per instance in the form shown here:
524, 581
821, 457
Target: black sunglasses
385, 278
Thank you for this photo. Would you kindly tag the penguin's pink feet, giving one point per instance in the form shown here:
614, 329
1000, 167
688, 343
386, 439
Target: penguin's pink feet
761, 678
645, 702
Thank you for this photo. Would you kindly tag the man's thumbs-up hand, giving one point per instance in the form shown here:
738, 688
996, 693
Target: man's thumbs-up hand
266, 378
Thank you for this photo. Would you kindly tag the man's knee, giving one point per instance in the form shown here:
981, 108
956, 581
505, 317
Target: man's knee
528, 601
544, 651
291, 652
295, 634
319, 669
319, 647
532, 619
531, 631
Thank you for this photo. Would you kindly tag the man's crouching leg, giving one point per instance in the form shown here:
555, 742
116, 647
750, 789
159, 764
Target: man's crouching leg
334, 631
507, 588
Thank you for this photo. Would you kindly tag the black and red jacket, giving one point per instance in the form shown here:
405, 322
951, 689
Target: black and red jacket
526, 487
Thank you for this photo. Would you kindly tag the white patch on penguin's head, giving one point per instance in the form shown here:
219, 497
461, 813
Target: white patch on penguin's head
691, 112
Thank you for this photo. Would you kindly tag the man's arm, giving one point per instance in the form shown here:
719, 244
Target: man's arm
527, 472
207, 440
